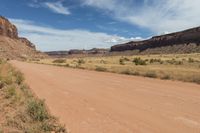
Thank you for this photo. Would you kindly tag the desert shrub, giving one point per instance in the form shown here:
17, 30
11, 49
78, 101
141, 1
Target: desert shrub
136, 73
67, 65
59, 61
126, 59
36, 110
81, 61
139, 61
1, 131
174, 62
7, 80
150, 74
1, 84
196, 79
26, 90
127, 72
1, 61
190, 60
100, 69
165, 77
121, 61
19, 77
34, 59
178, 63
10, 91
101, 61
156, 61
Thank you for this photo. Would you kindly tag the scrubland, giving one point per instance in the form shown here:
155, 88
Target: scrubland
181, 67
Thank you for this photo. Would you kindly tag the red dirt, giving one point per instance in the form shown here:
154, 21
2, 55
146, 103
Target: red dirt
97, 102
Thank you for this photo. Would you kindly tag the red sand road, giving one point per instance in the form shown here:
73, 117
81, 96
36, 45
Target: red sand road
97, 102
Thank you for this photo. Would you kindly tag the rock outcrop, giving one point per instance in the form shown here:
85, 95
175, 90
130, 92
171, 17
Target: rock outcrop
179, 38
14, 47
7, 29
27, 42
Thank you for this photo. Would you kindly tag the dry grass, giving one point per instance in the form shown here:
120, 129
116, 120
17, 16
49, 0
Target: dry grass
182, 67
20, 111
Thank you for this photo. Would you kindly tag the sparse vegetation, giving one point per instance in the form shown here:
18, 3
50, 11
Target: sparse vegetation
182, 67
121, 61
19, 77
81, 61
156, 61
36, 110
165, 77
190, 60
59, 61
151, 74
139, 61
19, 109
100, 69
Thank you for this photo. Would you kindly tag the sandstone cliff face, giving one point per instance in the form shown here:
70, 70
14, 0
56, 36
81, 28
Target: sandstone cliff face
7, 29
178, 38
27, 42
14, 47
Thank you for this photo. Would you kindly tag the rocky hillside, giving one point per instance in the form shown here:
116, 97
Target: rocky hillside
186, 41
12, 46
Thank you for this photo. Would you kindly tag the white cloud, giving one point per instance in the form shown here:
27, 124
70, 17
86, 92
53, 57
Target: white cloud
57, 7
156, 15
48, 39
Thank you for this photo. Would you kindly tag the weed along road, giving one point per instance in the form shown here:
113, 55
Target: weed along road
97, 102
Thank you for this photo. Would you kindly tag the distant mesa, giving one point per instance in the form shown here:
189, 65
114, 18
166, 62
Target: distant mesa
187, 41
94, 51
190, 36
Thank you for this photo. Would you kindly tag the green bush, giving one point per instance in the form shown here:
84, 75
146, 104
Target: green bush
139, 61
59, 61
37, 110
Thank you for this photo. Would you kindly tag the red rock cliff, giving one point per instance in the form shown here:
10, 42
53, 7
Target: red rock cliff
7, 29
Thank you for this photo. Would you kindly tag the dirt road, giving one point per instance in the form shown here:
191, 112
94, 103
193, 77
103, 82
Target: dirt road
96, 102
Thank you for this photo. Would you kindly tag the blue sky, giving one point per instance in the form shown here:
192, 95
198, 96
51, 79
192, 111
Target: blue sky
84, 24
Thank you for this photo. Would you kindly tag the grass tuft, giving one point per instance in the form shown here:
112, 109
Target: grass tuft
36, 110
